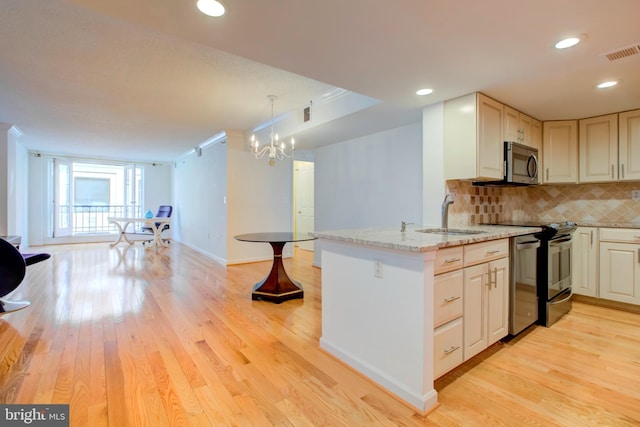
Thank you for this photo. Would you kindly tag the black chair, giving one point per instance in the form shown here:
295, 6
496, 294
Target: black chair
13, 267
164, 211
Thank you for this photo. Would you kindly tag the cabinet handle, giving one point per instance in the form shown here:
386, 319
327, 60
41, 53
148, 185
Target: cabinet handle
493, 252
451, 349
639, 255
591, 238
622, 169
495, 277
450, 260
451, 299
611, 171
547, 174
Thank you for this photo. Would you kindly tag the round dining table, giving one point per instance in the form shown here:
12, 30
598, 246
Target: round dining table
277, 286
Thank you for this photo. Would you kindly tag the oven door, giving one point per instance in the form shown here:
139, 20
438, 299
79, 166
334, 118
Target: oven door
558, 307
559, 279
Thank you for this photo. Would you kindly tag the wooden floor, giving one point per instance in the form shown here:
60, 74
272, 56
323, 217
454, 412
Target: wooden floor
130, 337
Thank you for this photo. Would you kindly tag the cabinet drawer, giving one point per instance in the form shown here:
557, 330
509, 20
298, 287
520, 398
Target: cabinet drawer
447, 347
485, 251
447, 297
625, 235
448, 259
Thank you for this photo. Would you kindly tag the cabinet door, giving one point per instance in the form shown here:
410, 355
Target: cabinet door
474, 318
584, 261
490, 149
560, 151
447, 297
525, 126
629, 145
598, 149
447, 347
511, 125
498, 300
619, 272
535, 140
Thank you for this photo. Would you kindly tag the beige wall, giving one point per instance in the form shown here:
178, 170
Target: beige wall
581, 203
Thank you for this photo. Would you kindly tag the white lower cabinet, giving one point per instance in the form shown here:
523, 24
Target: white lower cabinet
447, 347
486, 308
448, 303
584, 271
620, 265
470, 301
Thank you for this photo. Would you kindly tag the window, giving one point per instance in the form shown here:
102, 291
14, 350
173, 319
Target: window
86, 194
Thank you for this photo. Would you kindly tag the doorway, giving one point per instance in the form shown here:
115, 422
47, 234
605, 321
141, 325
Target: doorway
303, 198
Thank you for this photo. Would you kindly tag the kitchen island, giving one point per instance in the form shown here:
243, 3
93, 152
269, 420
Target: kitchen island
378, 303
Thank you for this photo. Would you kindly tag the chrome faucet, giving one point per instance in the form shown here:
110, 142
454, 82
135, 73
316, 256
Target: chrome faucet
403, 225
445, 210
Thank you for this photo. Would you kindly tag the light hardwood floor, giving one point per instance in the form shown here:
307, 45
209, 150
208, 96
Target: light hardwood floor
131, 337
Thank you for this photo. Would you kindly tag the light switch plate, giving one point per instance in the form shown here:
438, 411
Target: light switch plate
635, 194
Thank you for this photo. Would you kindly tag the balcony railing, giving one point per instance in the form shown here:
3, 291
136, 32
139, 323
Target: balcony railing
95, 219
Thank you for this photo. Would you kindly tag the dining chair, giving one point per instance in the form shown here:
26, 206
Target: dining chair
164, 211
13, 267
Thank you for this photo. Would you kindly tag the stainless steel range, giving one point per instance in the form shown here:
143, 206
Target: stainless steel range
553, 269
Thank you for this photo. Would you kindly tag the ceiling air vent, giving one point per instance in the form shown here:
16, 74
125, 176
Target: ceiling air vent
634, 49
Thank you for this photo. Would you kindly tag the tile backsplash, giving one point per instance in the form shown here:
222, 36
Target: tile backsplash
610, 202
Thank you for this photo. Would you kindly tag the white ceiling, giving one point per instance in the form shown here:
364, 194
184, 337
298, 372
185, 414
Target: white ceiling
151, 79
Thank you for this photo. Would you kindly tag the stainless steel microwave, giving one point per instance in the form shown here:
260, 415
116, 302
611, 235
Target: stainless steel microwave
520, 167
521, 164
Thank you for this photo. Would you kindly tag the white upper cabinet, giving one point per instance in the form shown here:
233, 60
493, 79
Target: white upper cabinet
536, 136
560, 151
511, 124
598, 149
629, 145
473, 141
518, 127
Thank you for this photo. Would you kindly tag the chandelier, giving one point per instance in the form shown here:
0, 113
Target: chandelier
276, 149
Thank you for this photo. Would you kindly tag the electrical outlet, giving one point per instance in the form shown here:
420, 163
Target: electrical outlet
635, 194
377, 269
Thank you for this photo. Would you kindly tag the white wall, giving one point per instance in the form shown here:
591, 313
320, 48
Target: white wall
260, 198
200, 187
433, 163
13, 183
227, 192
372, 181
4, 178
18, 190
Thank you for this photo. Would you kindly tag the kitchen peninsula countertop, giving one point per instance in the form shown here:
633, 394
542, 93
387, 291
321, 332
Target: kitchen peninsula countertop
604, 224
415, 241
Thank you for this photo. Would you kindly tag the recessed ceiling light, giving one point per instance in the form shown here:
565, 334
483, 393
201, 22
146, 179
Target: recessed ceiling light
568, 42
610, 83
211, 7
425, 91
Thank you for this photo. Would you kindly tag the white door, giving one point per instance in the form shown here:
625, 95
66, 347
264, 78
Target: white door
132, 191
62, 198
303, 200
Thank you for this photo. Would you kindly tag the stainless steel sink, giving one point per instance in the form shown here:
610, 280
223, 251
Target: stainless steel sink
445, 231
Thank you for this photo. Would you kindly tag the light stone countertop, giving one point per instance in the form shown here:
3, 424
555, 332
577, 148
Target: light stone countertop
603, 224
414, 241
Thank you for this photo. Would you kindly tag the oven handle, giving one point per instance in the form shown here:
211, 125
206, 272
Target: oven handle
558, 241
528, 245
563, 299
